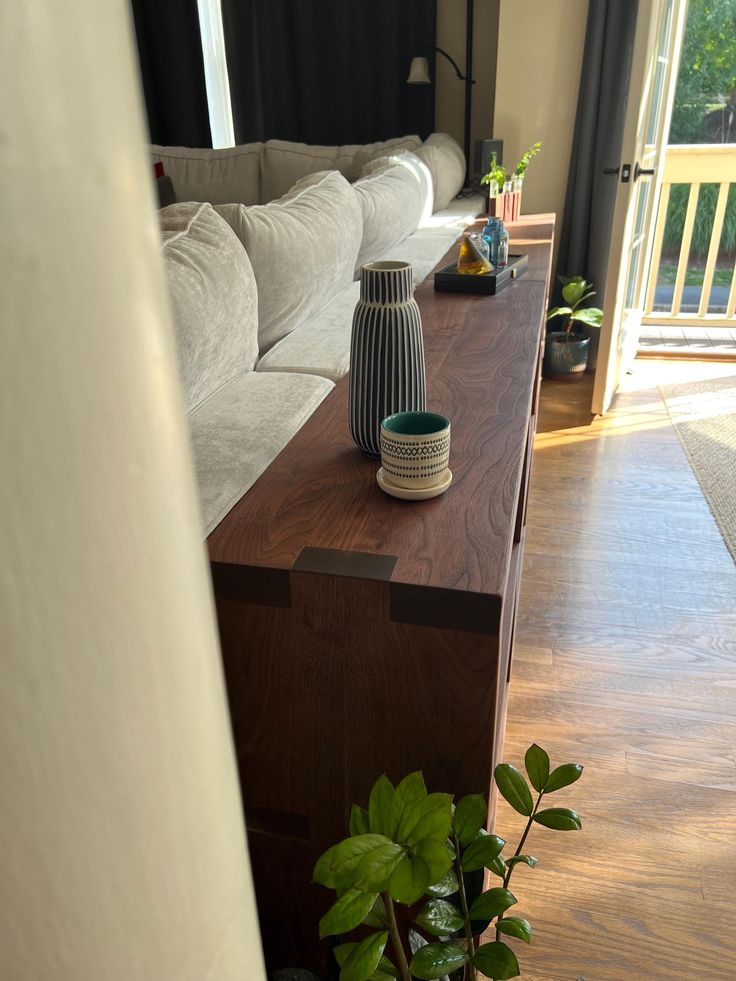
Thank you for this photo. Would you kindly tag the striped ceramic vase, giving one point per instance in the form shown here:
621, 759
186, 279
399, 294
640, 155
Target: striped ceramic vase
386, 352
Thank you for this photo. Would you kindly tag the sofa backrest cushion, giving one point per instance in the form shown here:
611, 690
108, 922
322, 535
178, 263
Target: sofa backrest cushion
417, 168
302, 248
391, 202
217, 176
371, 151
213, 298
446, 162
284, 163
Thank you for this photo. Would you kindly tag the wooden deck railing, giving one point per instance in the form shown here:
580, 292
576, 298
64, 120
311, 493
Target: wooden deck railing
693, 166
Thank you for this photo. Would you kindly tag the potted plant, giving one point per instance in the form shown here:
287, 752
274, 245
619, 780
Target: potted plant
409, 878
566, 350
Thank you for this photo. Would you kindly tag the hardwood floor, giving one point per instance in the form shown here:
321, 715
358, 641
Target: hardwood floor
625, 661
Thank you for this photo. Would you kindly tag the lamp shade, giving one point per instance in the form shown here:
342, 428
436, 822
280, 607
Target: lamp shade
419, 72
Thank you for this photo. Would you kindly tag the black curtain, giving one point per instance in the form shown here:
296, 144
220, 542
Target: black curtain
172, 70
599, 125
328, 71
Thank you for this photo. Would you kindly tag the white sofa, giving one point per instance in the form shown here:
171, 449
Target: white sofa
263, 292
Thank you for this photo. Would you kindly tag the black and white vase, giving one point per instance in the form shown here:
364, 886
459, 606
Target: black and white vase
386, 352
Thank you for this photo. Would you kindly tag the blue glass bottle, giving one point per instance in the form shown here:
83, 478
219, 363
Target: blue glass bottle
503, 246
490, 234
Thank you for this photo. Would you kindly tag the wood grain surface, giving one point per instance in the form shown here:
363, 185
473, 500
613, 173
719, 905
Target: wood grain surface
321, 491
625, 661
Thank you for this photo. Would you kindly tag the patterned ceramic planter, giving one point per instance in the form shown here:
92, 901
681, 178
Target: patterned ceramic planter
386, 352
565, 360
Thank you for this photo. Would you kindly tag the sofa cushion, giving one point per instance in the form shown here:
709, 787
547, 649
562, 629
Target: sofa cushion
391, 202
302, 248
284, 162
417, 168
241, 428
371, 151
217, 176
446, 162
213, 298
321, 345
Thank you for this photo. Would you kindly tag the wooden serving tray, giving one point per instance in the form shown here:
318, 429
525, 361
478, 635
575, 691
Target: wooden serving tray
449, 280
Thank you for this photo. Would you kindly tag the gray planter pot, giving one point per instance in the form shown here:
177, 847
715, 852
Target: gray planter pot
386, 352
565, 360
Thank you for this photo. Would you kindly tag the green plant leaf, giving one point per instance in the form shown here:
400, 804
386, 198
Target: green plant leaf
497, 961
440, 918
378, 916
481, 851
536, 762
559, 819
409, 792
337, 868
409, 880
563, 776
437, 960
435, 810
574, 291
384, 972
497, 866
349, 910
359, 824
517, 859
491, 903
375, 868
516, 926
324, 872
445, 887
469, 817
379, 805
591, 316
364, 958
514, 788
559, 312
436, 856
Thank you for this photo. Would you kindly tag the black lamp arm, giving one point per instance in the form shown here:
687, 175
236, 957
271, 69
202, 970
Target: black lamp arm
433, 47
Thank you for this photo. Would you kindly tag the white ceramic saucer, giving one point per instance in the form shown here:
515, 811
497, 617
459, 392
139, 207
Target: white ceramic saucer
414, 494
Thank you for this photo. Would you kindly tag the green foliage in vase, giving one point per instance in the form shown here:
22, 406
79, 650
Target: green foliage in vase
533, 150
495, 173
420, 850
575, 291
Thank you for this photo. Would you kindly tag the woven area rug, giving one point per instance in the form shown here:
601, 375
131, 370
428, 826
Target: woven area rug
704, 416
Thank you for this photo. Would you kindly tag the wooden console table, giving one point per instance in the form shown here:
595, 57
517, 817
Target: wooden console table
362, 634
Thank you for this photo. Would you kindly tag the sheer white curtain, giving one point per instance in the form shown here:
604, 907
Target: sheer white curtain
215, 73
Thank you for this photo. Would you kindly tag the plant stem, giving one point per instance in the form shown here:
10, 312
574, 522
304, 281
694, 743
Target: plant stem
509, 871
464, 908
396, 938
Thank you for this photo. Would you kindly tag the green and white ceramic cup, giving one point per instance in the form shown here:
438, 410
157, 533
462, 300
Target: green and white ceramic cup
415, 448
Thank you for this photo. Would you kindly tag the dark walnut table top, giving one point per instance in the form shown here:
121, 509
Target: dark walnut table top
321, 491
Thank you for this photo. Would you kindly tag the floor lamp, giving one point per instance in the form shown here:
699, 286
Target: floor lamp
419, 75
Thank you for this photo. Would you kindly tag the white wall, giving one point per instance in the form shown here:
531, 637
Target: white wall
122, 850
540, 49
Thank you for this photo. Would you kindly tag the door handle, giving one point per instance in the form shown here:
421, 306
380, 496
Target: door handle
625, 170
645, 171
